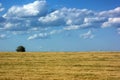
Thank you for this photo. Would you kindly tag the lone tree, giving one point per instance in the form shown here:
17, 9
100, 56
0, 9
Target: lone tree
20, 49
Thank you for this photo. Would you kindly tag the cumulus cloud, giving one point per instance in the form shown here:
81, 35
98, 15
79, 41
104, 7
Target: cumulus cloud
72, 27
2, 36
36, 16
37, 8
15, 25
118, 30
39, 36
52, 19
44, 35
55, 32
94, 19
111, 13
1, 8
112, 22
79, 18
87, 35
66, 16
23, 18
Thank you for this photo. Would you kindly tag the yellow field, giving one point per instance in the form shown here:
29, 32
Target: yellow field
60, 66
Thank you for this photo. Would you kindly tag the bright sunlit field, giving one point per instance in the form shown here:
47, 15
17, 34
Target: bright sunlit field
60, 66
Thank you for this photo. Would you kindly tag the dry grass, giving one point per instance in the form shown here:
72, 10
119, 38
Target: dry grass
60, 66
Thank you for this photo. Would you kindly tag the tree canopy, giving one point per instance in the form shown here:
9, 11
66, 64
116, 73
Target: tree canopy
20, 49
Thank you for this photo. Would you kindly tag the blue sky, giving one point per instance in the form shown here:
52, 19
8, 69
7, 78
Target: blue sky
60, 25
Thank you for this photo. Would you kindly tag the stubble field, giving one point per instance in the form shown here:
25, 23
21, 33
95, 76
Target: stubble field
60, 66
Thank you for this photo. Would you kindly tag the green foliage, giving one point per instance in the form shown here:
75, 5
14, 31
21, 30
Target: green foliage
20, 49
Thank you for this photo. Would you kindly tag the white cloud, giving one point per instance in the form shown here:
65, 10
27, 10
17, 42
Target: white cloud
118, 30
72, 17
53, 19
39, 36
44, 35
112, 22
37, 8
35, 17
94, 19
23, 18
111, 13
1, 8
72, 27
87, 35
88, 22
2, 36
9, 25
78, 18
15, 26
66, 16
55, 32
33, 37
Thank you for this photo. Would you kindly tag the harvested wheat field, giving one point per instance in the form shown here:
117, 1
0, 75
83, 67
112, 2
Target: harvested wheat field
60, 66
